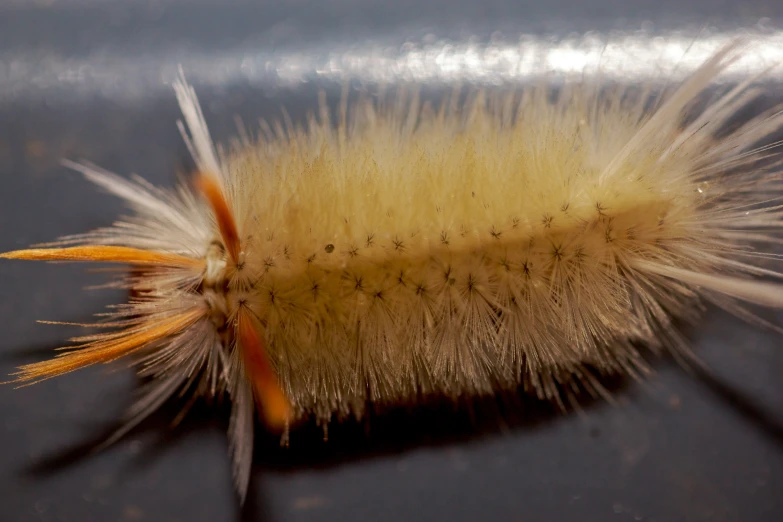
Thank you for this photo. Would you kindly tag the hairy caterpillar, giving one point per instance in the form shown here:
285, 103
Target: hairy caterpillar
414, 251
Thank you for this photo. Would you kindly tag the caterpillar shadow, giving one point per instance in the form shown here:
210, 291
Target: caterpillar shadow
382, 432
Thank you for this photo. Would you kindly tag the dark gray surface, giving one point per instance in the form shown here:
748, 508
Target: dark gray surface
682, 448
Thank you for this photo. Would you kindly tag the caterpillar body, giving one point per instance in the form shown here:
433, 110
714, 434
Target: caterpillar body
512, 239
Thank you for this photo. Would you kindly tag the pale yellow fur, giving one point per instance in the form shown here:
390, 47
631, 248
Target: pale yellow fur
514, 239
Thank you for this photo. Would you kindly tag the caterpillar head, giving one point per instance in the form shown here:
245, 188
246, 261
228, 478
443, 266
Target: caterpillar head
187, 322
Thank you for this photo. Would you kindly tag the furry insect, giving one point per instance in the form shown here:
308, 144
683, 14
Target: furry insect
405, 252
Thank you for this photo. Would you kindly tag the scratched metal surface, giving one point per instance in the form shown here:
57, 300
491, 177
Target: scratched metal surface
88, 79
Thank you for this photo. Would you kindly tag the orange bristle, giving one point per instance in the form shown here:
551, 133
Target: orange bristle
108, 347
275, 406
225, 219
105, 254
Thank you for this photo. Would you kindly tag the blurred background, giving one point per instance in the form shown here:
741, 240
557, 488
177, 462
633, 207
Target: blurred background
90, 79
